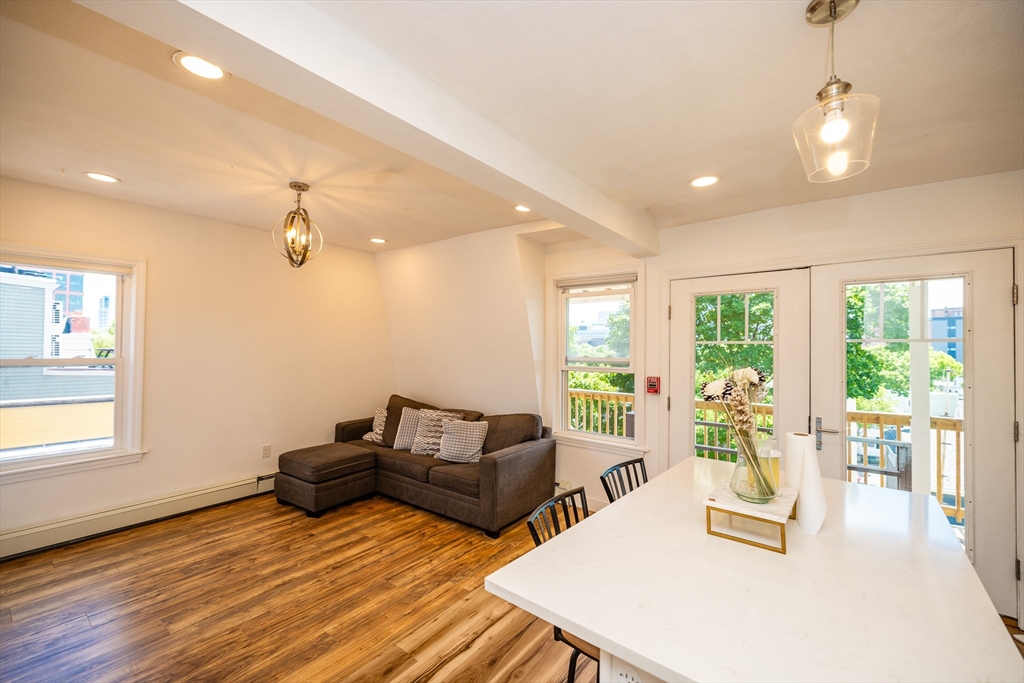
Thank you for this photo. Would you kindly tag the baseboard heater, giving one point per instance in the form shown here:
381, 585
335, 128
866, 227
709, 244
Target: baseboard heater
39, 537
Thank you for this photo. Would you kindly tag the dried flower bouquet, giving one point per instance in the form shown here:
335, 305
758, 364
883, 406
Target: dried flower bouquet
737, 395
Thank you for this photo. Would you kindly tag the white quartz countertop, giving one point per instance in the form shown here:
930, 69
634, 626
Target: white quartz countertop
883, 592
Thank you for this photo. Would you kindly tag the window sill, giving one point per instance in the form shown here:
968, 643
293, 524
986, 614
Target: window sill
38, 468
598, 444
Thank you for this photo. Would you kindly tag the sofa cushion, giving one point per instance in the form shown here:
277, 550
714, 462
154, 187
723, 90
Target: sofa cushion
329, 461
429, 431
407, 464
464, 478
462, 441
508, 430
395, 405
406, 434
380, 416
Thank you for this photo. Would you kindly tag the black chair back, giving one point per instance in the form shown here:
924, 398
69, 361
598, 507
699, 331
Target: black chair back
618, 480
558, 514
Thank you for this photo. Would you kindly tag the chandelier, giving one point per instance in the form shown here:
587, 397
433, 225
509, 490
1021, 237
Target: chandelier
295, 234
835, 136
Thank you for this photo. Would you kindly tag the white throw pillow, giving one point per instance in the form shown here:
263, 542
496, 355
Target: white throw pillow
377, 435
428, 431
407, 429
462, 441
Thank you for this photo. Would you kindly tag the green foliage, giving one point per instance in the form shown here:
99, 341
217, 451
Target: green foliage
103, 339
618, 331
943, 367
616, 346
880, 403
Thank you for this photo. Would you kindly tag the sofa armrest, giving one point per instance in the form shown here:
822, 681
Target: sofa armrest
515, 481
353, 429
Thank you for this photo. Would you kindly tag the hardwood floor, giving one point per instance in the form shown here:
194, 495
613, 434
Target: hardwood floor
374, 591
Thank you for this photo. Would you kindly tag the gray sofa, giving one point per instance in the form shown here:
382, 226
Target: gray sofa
516, 472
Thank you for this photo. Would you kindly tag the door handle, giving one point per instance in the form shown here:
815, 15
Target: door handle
819, 430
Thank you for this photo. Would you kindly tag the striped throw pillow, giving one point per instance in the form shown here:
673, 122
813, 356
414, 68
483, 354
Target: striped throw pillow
377, 435
462, 441
428, 431
407, 429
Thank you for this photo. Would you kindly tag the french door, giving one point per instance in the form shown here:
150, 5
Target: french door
758, 319
902, 368
912, 366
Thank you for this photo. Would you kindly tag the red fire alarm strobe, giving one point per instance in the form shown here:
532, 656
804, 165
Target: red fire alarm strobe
653, 385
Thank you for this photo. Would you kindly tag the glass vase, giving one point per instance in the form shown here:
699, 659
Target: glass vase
756, 477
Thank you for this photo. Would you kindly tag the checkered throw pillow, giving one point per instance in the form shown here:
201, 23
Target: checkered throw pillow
377, 435
462, 441
428, 431
407, 429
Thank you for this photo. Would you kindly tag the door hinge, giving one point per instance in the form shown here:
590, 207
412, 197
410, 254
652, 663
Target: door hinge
1015, 294
1016, 431
670, 403
670, 312
1018, 570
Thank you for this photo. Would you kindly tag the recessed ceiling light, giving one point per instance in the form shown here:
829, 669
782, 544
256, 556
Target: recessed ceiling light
378, 240
704, 180
199, 67
520, 207
103, 177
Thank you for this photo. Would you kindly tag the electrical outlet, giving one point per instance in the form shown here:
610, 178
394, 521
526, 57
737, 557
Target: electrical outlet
266, 451
564, 484
627, 674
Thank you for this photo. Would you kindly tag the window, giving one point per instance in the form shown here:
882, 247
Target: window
597, 382
70, 369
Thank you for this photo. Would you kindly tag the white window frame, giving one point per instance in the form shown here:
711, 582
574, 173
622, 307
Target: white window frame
129, 337
633, 275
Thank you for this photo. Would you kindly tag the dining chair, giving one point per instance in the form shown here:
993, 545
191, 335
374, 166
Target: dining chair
546, 522
616, 485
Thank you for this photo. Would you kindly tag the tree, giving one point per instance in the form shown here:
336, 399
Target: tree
618, 331
103, 339
616, 346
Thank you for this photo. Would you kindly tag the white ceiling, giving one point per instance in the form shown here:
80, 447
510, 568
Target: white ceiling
635, 98
81, 92
613, 105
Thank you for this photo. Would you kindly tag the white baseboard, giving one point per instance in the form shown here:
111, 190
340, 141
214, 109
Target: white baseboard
27, 539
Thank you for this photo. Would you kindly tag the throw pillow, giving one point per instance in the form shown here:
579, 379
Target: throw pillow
462, 441
377, 435
407, 429
428, 431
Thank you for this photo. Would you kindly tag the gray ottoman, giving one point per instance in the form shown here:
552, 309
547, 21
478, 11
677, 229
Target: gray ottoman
320, 477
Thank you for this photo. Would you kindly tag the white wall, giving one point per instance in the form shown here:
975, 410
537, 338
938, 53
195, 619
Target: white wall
459, 323
910, 219
241, 349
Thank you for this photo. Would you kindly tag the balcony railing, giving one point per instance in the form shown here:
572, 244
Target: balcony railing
885, 434
601, 412
877, 449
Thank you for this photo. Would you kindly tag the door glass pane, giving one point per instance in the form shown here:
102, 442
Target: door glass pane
905, 395
732, 331
733, 309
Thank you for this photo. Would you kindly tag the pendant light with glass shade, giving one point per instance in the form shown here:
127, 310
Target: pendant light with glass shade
835, 136
295, 234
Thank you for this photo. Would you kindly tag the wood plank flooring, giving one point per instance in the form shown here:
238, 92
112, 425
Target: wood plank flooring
255, 591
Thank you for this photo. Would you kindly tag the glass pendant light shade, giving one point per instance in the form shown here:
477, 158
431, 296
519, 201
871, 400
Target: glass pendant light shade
835, 137
295, 234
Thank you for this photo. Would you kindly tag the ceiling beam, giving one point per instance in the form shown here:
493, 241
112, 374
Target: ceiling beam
295, 51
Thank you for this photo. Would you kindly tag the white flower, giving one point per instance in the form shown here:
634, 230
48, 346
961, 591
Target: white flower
745, 377
717, 390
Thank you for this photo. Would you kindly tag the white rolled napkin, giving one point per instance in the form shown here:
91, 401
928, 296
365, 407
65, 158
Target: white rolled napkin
811, 505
